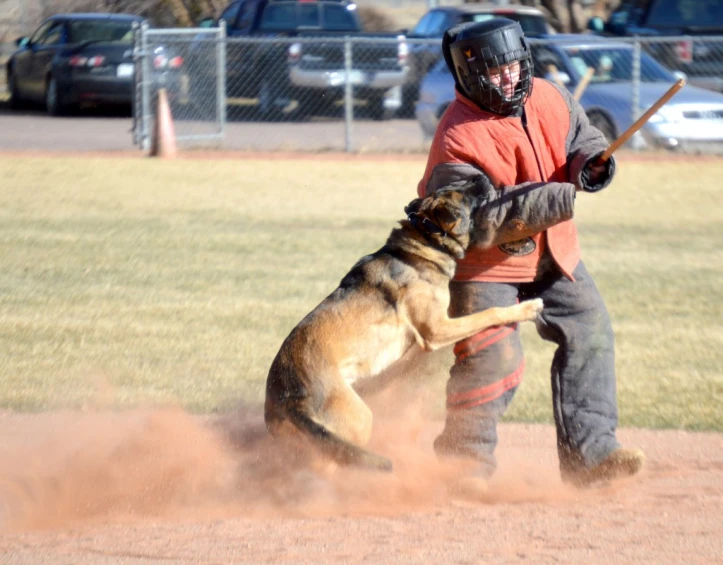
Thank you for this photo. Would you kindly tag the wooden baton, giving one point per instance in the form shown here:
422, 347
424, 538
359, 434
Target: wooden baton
615, 145
582, 85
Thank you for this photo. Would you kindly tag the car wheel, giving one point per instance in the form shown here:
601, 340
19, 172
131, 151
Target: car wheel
376, 110
603, 123
53, 102
410, 95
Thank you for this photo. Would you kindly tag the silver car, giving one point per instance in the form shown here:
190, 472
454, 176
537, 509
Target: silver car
691, 120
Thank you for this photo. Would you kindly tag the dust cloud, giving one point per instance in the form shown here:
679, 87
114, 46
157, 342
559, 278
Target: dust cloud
61, 469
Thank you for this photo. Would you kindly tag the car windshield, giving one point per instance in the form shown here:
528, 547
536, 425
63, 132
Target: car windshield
531, 25
101, 30
281, 16
615, 64
686, 13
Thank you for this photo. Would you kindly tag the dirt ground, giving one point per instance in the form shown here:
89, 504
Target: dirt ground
159, 485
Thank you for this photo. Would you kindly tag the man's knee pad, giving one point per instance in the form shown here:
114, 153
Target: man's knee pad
486, 366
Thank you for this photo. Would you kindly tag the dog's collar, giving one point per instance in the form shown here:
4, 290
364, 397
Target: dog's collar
425, 225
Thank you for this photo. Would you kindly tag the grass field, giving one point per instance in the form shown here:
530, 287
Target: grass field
127, 281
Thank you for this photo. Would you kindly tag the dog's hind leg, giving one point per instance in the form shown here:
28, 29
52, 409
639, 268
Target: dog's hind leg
340, 428
346, 414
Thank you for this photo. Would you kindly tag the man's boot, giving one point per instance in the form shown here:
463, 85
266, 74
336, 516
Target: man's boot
620, 464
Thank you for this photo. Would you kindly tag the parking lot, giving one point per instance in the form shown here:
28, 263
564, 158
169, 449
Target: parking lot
106, 131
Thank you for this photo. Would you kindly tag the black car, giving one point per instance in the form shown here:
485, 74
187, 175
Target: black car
77, 58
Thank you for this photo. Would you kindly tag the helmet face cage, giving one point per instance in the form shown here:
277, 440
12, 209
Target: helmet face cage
475, 57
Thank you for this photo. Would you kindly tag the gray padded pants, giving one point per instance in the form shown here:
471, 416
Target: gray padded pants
489, 368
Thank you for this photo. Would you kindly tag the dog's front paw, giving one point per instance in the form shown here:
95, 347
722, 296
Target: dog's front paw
531, 308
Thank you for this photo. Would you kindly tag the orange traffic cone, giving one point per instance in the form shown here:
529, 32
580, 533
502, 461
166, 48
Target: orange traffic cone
164, 136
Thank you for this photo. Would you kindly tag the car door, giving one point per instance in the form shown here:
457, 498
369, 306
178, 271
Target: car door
43, 52
236, 51
23, 59
240, 55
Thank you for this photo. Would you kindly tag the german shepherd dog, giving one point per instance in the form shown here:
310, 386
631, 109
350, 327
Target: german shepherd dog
389, 302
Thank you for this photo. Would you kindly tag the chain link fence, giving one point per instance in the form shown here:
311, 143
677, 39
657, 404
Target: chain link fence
173, 59
272, 81
617, 80
284, 90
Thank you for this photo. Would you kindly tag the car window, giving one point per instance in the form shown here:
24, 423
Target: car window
629, 13
105, 30
423, 25
615, 64
245, 16
531, 25
54, 36
437, 24
308, 15
686, 13
620, 16
338, 18
41, 31
230, 14
280, 16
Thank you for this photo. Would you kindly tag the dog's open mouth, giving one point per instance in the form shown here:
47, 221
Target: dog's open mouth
424, 224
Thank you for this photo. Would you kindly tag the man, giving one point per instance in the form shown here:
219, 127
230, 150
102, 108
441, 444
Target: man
531, 144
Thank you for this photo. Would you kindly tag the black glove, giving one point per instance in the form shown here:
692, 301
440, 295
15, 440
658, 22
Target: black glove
597, 174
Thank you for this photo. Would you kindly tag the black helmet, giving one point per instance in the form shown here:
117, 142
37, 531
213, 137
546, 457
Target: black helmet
472, 49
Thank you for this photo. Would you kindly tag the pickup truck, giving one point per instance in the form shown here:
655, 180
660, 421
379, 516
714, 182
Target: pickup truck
279, 51
698, 25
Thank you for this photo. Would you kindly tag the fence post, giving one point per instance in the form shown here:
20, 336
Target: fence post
145, 90
136, 83
635, 141
221, 81
348, 95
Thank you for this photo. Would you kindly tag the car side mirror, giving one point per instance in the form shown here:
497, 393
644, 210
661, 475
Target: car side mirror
596, 24
207, 22
22, 41
559, 77
680, 75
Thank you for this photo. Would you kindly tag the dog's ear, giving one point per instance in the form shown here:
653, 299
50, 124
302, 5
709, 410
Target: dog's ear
476, 189
413, 206
450, 206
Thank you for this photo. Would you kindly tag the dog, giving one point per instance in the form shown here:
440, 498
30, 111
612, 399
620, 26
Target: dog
390, 302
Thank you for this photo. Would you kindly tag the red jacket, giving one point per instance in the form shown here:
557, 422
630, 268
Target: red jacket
552, 150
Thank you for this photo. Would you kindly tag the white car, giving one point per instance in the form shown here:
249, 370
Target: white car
691, 120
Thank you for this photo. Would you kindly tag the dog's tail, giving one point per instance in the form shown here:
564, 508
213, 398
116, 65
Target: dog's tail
336, 448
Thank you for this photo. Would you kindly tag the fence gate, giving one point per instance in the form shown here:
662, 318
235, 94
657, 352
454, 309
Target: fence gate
190, 64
